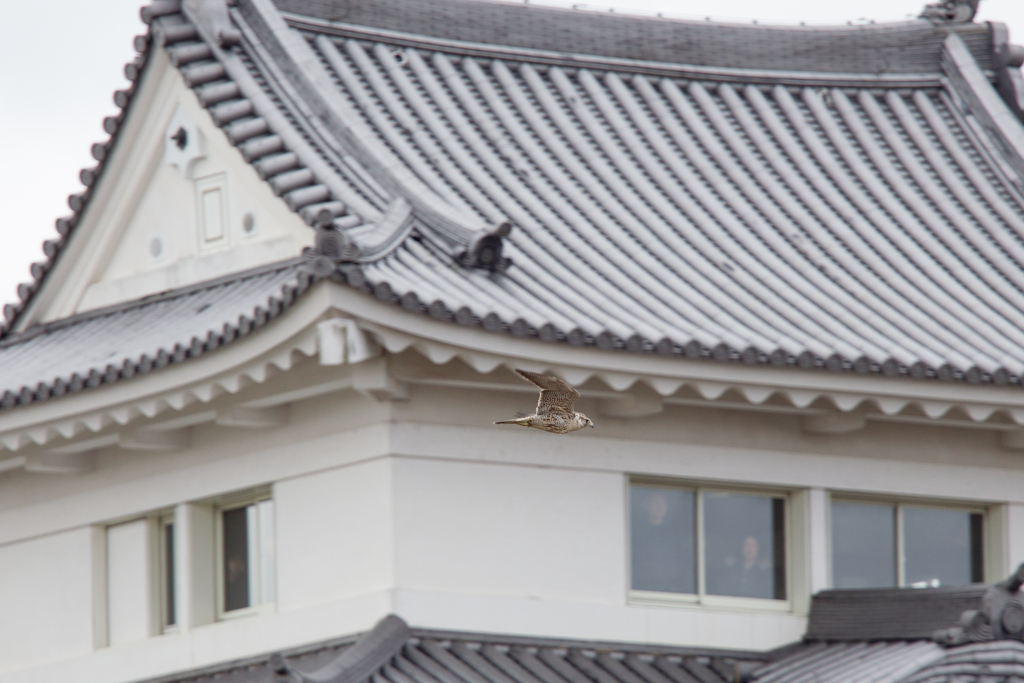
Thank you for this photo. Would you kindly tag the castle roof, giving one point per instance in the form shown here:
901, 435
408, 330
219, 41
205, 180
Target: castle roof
849, 198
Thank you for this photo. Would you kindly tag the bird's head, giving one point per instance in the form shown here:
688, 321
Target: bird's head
586, 420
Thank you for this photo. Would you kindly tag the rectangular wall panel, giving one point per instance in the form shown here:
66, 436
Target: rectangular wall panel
46, 609
333, 534
129, 594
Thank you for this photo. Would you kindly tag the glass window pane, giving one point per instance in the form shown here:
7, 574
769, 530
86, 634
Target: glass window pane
744, 545
937, 547
863, 545
170, 618
266, 541
236, 559
977, 547
662, 526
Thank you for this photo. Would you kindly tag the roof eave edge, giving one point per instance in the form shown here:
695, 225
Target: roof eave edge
247, 361
396, 330
227, 370
999, 122
297, 60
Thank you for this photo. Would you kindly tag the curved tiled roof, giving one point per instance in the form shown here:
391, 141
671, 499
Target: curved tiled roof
108, 345
858, 221
393, 653
860, 228
998, 662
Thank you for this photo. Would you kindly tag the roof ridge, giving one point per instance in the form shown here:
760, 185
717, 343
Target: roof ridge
554, 57
863, 48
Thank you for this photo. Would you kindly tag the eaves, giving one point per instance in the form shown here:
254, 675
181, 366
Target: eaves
248, 360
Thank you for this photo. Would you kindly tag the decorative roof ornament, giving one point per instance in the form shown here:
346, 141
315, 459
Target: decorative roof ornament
1001, 616
485, 250
331, 247
950, 11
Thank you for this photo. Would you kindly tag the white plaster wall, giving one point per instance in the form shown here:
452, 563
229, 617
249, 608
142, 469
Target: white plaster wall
334, 534
517, 531
1014, 535
166, 207
128, 582
141, 196
458, 526
46, 598
520, 548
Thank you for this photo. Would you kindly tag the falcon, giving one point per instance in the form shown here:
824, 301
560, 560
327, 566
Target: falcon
554, 407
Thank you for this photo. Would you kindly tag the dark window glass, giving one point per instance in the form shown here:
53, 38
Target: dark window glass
977, 548
863, 545
662, 539
236, 559
169, 614
744, 545
938, 547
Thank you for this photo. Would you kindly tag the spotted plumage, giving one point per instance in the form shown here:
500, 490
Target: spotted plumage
554, 407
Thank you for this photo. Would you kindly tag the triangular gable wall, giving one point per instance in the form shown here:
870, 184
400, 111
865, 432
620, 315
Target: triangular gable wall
166, 214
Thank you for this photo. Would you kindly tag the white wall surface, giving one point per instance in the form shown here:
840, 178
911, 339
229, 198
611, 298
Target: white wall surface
1014, 535
46, 593
417, 508
504, 530
142, 196
129, 583
335, 535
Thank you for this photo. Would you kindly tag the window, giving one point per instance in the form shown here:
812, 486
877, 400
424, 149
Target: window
246, 549
705, 543
165, 542
883, 545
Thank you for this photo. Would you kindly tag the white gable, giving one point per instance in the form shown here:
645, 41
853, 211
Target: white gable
177, 204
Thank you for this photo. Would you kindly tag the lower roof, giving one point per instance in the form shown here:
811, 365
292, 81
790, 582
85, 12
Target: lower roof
394, 653
111, 344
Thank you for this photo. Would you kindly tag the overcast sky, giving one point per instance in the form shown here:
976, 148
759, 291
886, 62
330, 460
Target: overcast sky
61, 61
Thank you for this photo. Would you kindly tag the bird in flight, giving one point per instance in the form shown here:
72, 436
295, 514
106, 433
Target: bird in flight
554, 407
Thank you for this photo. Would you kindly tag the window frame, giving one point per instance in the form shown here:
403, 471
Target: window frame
219, 508
899, 503
701, 599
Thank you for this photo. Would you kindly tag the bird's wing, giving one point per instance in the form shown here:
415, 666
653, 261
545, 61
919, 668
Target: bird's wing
555, 394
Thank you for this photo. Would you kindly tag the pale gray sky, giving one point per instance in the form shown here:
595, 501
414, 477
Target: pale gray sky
61, 61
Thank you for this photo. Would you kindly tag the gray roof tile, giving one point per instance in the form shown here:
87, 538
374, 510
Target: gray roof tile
860, 662
394, 653
906, 47
107, 345
891, 613
754, 205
